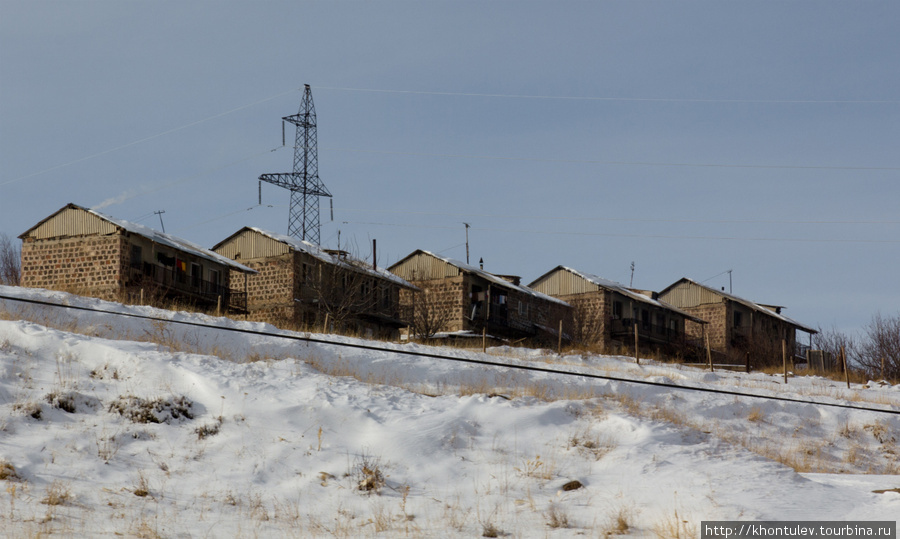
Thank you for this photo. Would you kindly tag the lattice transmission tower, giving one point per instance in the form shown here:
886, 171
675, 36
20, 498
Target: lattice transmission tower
303, 183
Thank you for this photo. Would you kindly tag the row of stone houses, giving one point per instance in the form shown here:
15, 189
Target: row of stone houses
275, 278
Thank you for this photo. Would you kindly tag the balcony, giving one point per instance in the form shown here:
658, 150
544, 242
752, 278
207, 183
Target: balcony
169, 282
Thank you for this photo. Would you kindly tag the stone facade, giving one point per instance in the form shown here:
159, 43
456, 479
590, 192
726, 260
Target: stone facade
87, 253
300, 285
715, 315
91, 266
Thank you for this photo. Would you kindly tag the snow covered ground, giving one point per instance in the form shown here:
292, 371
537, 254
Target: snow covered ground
113, 426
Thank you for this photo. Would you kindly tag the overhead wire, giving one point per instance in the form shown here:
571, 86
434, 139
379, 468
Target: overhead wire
643, 236
604, 162
620, 219
417, 353
151, 137
612, 98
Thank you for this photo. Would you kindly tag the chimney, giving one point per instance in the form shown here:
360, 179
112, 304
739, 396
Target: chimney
374, 252
481, 262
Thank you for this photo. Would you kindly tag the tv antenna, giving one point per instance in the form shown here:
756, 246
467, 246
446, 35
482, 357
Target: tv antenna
160, 212
303, 183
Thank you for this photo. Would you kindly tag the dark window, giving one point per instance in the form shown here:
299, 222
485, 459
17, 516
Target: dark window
738, 319
136, 256
617, 310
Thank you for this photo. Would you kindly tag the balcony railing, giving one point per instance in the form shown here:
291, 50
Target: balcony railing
624, 327
179, 283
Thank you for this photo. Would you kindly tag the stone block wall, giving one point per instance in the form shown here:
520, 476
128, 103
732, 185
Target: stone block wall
717, 316
269, 292
442, 297
91, 266
589, 315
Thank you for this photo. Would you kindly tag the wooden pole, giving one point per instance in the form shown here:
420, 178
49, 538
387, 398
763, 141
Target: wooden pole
142, 296
748, 362
844, 363
484, 339
708, 350
559, 346
784, 358
219, 306
637, 359
325, 328
882, 368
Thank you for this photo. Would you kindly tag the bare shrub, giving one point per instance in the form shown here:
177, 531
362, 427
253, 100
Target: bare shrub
556, 516
58, 493
212, 429
10, 262
880, 342
158, 410
8, 472
367, 473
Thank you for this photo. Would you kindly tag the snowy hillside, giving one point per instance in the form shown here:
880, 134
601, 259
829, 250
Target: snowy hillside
113, 426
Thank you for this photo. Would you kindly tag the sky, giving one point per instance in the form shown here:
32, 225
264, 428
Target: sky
749, 145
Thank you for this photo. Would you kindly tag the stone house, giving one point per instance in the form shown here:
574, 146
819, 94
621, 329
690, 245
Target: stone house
86, 252
607, 313
457, 297
300, 284
736, 326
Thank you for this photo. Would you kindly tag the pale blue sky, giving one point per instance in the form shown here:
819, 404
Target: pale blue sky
690, 137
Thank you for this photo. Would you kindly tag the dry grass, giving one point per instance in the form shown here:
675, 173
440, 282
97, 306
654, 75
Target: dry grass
58, 493
556, 516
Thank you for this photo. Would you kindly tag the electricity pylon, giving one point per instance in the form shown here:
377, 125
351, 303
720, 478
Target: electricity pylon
303, 183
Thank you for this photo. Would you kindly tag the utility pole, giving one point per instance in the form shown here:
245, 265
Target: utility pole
303, 183
160, 212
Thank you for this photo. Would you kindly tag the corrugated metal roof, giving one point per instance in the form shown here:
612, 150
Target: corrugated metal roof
260, 248
462, 266
592, 283
704, 294
92, 222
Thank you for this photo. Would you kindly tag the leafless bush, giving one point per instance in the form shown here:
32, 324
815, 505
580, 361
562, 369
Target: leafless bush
879, 343
10, 262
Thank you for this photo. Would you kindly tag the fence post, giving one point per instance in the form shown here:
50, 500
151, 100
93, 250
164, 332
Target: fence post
708, 350
748, 362
637, 359
142, 296
219, 306
325, 328
784, 358
559, 346
484, 339
882, 368
844, 363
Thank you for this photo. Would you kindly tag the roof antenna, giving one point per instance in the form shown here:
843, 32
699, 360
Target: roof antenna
467, 242
632, 275
160, 212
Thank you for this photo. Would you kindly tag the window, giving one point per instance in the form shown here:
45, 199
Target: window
738, 319
617, 310
523, 308
196, 275
136, 256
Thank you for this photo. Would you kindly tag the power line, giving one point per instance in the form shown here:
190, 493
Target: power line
624, 219
453, 358
602, 162
642, 236
613, 98
145, 139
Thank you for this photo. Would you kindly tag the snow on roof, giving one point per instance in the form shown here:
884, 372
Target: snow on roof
494, 279
625, 291
168, 240
755, 306
346, 261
